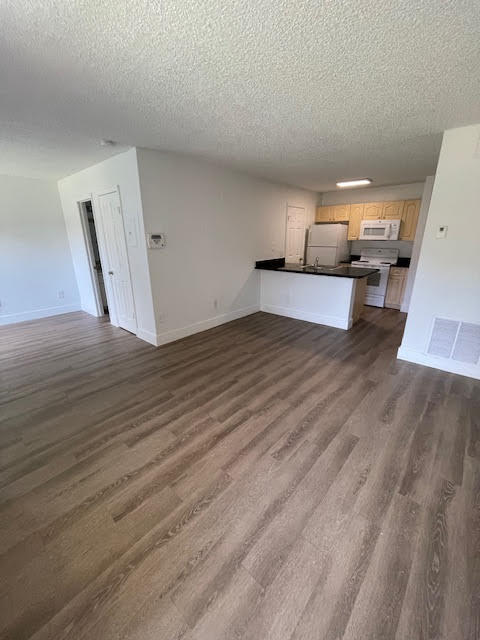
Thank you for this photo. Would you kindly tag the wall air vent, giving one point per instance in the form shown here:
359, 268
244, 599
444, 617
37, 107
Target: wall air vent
457, 340
467, 346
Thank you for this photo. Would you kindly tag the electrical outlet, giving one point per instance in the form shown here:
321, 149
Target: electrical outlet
156, 240
61, 294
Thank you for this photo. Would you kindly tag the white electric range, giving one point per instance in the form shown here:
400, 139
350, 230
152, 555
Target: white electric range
381, 259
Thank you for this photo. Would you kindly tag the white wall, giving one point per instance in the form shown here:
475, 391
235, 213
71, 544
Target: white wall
217, 223
120, 170
374, 194
35, 260
447, 283
415, 254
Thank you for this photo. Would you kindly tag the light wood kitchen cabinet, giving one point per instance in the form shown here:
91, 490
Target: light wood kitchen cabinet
397, 281
356, 216
408, 227
392, 210
406, 211
324, 214
372, 210
341, 212
333, 213
383, 210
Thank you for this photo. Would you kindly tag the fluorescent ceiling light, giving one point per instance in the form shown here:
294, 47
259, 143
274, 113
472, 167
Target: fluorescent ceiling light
361, 182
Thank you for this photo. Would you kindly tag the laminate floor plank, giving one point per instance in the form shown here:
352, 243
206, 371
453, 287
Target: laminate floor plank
267, 478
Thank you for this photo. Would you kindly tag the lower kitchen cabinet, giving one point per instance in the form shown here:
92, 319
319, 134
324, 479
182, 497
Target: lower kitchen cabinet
397, 281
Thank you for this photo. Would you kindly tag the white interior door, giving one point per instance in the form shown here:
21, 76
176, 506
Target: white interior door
118, 268
295, 236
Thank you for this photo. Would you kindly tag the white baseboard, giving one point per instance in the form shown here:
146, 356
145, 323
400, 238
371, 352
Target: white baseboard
444, 364
92, 311
183, 332
147, 336
36, 314
300, 314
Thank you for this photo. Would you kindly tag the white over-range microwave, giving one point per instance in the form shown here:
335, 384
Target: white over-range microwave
379, 229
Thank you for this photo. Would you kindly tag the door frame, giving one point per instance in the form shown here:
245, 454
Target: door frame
296, 206
89, 251
102, 243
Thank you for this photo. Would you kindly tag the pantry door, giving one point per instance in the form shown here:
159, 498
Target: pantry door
295, 237
118, 269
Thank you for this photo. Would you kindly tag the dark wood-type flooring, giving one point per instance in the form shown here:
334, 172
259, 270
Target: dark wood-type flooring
267, 479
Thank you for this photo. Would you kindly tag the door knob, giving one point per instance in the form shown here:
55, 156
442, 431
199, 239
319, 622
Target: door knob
110, 273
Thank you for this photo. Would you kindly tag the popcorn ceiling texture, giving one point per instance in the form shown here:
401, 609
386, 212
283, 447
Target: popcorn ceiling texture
302, 92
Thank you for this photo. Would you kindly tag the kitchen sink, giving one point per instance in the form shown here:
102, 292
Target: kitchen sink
310, 267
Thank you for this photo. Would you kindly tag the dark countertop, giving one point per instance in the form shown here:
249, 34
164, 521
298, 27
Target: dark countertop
278, 264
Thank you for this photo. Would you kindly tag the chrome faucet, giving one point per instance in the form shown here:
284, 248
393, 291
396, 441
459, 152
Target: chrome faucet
316, 264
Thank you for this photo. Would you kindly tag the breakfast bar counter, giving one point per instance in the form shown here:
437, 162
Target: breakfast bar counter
333, 296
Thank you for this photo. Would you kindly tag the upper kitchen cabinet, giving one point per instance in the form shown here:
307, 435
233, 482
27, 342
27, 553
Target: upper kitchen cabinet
324, 214
341, 212
408, 226
373, 210
333, 213
392, 210
356, 216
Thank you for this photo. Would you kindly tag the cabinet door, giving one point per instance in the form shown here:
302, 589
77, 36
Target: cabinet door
397, 281
372, 210
323, 214
408, 226
341, 212
392, 210
356, 215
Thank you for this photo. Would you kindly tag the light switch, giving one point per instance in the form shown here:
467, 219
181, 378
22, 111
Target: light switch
442, 231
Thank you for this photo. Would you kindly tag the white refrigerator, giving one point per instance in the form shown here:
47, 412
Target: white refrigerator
328, 243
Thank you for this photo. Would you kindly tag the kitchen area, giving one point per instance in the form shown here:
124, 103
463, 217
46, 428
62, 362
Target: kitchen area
354, 254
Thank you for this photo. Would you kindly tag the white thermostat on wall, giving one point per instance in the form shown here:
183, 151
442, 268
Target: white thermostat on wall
442, 231
156, 240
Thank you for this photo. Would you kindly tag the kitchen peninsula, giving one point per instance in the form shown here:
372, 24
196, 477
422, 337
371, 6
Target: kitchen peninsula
333, 296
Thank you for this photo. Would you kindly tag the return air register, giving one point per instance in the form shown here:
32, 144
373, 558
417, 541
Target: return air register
455, 340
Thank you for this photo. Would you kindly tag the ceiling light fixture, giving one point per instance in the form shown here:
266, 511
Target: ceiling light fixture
360, 182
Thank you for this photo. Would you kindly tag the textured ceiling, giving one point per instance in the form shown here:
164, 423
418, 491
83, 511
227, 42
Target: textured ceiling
302, 92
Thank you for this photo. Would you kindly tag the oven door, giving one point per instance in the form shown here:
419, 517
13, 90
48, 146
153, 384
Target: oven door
374, 230
377, 282
377, 287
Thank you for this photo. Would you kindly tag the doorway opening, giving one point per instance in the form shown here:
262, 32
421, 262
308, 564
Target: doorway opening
94, 259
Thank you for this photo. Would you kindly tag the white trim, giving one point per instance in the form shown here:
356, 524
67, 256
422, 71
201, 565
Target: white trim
147, 336
203, 325
300, 314
445, 364
36, 314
